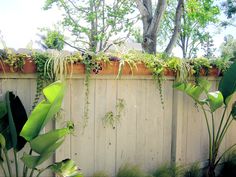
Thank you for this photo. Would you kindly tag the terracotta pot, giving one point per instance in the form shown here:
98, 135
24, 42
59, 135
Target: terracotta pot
6, 68
29, 66
202, 72
77, 68
169, 72
141, 70
112, 68
214, 72
109, 68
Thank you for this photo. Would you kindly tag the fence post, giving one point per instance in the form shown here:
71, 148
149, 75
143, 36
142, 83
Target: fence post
177, 148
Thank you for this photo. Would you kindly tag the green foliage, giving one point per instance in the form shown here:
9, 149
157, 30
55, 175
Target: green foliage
44, 111
129, 170
229, 7
43, 146
66, 168
43, 79
15, 109
168, 171
54, 40
93, 23
193, 171
213, 101
16, 61
100, 174
227, 85
112, 119
221, 64
228, 47
200, 63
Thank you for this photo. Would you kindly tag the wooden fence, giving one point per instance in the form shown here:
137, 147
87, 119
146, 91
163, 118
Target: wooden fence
147, 135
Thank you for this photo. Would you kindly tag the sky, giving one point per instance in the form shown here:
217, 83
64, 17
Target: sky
20, 21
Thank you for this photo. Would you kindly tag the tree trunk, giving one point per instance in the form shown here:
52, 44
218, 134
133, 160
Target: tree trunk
149, 43
151, 22
177, 28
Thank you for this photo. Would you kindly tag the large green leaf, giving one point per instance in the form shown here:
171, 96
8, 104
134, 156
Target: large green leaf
3, 109
215, 100
16, 118
44, 111
32, 161
227, 84
194, 91
66, 168
44, 143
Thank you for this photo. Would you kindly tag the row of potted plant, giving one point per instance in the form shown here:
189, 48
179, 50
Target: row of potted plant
135, 63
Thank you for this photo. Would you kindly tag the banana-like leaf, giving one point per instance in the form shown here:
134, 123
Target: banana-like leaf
44, 111
45, 143
2, 146
3, 109
194, 91
2, 141
16, 118
66, 168
215, 100
33, 161
227, 84
233, 111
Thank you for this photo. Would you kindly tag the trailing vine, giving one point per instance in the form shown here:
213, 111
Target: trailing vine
90, 66
111, 118
42, 78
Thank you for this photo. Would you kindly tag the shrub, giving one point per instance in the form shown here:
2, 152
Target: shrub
129, 170
100, 174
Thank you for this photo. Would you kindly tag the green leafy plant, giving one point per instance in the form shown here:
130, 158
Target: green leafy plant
112, 119
43, 79
210, 104
220, 64
199, 64
129, 170
168, 171
54, 40
100, 174
193, 171
16, 130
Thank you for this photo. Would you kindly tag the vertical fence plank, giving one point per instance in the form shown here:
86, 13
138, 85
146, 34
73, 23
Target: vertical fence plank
82, 144
126, 130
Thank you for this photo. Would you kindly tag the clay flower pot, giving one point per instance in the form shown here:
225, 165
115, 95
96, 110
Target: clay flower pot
214, 72
169, 72
29, 66
5, 68
77, 68
141, 70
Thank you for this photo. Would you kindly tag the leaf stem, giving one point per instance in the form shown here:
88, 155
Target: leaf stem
8, 163
3, 169
16, 162
209, 133
25, 168
221, 122
32, 172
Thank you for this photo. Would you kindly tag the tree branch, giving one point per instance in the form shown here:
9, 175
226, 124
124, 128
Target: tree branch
142, 9
156, 20
177, 28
